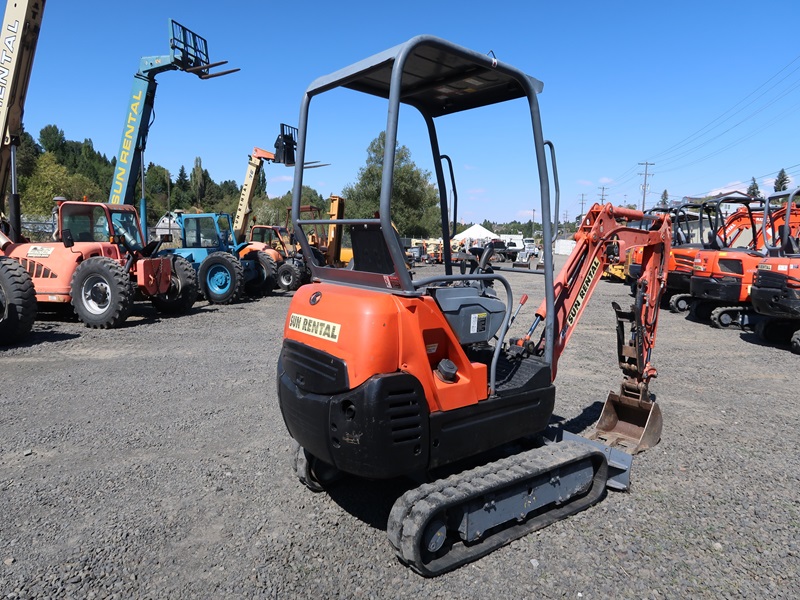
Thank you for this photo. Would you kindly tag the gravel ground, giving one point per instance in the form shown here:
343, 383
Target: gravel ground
152, 461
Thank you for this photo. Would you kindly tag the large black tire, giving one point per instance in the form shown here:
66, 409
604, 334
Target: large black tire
101, 293
289, 277
183, 289
221, 278
17, 302
267, 279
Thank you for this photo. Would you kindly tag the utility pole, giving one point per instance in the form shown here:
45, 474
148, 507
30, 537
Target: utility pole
582, 195
602, 193
644, 187
533, 220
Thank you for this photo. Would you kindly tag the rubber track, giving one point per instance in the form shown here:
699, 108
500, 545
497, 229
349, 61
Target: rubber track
414, 510
673, 302
716, 314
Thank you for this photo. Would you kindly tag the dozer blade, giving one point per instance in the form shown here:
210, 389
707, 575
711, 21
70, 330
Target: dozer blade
630, 423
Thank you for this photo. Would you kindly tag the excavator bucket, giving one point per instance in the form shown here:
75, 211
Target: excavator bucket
628, 422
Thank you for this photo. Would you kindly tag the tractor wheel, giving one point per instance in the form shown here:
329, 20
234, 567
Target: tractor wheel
289, 277
267, 279
101, 293
221, 278
183, 289
17, 301
311, 471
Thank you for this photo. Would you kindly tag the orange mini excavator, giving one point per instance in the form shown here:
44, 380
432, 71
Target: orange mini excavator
383, 376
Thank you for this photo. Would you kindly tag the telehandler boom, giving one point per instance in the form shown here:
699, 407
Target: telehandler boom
22, 22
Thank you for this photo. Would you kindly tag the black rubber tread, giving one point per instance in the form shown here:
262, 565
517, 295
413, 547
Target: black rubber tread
236, 270
678, 300
17, 302
718, 319
311, 471
289, 277
701, 310
183, 289
773, 331
121, 293
795, 342
264, 285
413, 511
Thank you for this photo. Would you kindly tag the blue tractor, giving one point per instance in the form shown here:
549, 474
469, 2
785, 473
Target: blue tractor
226, 270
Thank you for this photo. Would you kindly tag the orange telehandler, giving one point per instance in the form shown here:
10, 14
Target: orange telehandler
383, 376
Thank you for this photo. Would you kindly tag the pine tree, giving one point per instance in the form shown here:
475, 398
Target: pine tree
781, 181
753, 190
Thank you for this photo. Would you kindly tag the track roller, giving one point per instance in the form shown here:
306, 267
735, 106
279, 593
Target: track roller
679, 303
724, 317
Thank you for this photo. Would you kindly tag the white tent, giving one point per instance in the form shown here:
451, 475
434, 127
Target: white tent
476, 232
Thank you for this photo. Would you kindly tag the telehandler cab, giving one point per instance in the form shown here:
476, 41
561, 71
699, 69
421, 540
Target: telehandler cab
382, 376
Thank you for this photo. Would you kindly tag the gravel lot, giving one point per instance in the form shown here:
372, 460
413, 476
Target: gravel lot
152, 461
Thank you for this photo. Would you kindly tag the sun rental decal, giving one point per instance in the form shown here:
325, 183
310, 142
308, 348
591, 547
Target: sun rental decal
316, 327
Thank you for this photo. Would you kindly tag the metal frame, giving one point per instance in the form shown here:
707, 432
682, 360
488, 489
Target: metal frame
399, 75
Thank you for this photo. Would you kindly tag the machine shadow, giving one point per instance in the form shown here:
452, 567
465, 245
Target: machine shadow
371, 501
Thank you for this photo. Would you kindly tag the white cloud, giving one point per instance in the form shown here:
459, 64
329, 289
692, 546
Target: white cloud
606, 180
281, 178
476, 191
585, 182
733, 186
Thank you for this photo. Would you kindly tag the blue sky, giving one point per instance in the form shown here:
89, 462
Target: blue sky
705, 90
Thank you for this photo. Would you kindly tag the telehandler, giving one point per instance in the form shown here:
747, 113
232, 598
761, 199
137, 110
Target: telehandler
383, 376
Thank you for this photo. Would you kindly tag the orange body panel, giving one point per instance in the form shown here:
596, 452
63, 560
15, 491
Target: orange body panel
718, 263
376, 332
153, 274
51, 265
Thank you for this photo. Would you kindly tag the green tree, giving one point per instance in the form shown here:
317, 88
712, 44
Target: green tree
27, 155
51, 138
50, 179
197, 181
182, 182
664, 199
414, 198
781, 181
753, 190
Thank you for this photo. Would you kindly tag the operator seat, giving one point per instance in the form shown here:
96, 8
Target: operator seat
370, 252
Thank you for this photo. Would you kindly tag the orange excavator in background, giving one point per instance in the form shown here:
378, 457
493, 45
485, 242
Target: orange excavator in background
723, 274
716, 231
775, 293
383, 376
686, 232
